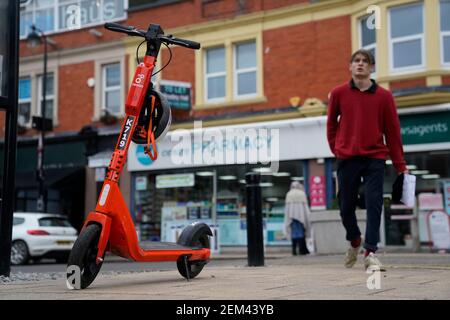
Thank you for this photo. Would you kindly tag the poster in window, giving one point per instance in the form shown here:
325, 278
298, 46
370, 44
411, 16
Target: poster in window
317, 193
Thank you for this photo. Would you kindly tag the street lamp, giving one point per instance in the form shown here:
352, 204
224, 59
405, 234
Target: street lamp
35, 38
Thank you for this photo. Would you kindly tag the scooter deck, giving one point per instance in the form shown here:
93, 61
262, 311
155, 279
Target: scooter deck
154, 245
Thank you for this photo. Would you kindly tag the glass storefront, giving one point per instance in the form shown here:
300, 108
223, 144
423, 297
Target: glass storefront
431, 169
165, 199
162, 202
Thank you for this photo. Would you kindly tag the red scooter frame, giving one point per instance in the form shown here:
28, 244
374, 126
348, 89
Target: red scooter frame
117, 232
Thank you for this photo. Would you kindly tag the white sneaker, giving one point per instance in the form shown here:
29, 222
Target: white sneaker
352, 256
372, 263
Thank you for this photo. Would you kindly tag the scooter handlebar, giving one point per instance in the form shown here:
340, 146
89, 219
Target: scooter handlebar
131, 31
181, 42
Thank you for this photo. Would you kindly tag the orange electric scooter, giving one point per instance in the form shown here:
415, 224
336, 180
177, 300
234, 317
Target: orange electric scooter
110, 227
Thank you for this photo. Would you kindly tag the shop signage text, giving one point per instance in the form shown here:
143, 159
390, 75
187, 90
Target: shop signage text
177, 93
175, 180
425, 128
264, 143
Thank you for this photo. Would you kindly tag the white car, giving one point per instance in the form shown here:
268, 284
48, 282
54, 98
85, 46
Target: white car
41, 235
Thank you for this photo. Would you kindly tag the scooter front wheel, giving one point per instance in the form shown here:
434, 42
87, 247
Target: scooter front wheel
84, 256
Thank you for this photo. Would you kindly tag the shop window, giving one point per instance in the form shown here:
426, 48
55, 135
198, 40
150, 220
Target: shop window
24, 117
26, 200
50, 110
368, 38
406, 37
158, 209
445, 31
245, 69
111, 88
61, 15
215, 74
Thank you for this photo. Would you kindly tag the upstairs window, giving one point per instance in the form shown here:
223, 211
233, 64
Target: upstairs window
111, 100
62, 15
50, 111
245, 69
445, 31
215, 74
368, 39
406, 37
24, 116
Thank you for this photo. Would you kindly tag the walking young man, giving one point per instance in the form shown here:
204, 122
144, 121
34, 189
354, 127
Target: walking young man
361, 116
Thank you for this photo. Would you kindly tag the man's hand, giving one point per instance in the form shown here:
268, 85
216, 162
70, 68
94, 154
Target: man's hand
405, 172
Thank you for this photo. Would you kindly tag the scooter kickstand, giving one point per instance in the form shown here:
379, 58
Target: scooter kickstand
185, 258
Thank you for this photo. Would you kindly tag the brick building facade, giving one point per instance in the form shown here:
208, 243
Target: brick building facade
293, 52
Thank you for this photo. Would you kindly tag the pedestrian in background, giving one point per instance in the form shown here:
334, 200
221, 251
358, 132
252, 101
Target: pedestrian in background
297, 225
361, 116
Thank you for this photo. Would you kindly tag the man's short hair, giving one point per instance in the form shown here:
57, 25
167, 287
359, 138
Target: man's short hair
366, 53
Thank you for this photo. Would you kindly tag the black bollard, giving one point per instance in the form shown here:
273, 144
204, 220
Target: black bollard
255, 239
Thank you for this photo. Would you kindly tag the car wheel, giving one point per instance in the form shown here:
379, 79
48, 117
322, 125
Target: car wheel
19, 253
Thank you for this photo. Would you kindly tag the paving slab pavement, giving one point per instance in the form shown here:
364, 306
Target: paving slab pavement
408, 276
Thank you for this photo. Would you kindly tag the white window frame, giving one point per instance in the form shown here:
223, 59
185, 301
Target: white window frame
27, 100
367, 47
443, 34
31, 8
236, 72
420, 37
106, 89
214, 74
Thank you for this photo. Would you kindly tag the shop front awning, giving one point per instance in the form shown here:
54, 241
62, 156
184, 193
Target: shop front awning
53, 177
100, 160
269, 142
70, 154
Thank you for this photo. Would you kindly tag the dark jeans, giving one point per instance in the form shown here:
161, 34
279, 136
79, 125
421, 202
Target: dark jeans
349, 175
299, 243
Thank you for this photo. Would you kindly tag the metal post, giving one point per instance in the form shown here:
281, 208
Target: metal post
41, 202
9, 169
214, 198
255, 238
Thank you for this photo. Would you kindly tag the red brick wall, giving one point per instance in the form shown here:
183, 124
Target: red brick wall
71, 40
307, 60
181, 68
446, 80
410, 83
274, 4
75, 98
168, 16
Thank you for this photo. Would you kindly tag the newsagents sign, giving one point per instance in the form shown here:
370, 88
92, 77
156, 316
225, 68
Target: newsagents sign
425, 128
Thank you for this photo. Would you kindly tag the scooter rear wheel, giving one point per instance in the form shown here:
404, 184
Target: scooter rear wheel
193, 267
84, 255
